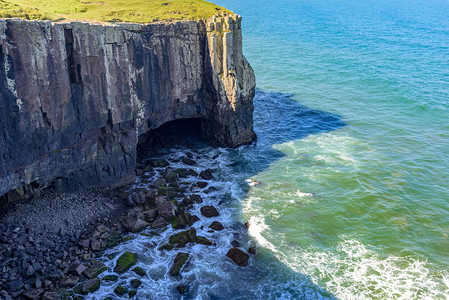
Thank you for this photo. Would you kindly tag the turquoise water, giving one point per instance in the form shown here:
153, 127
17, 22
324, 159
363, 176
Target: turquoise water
352, 114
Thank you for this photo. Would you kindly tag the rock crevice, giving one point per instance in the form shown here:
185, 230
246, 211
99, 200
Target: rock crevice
75, 97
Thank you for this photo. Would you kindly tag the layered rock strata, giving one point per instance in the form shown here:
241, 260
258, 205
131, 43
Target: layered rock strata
75, 97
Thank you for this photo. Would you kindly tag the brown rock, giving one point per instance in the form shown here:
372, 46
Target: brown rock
217, 226
238, 256
209, 211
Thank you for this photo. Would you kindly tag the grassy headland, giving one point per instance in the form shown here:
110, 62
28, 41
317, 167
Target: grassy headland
134, 11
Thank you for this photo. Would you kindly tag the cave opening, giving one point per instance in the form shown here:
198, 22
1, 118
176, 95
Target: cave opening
190, 132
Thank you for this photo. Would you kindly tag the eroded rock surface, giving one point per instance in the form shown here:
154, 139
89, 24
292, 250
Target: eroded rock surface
75, 98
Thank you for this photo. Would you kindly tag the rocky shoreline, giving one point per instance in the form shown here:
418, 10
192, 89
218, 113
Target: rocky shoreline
52, 247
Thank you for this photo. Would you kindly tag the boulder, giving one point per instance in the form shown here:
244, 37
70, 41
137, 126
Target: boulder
209, 211
119, 290
179, 261
196, 198
159, 223
188, 161
90, 286
95, 269
33, 294
139, 271
202, 184
125, 261
69, 282
135, 283
167, 210
14, 285
238, 256
134, 224
207, 174
252, 251
217, 226
169, 174
76, 269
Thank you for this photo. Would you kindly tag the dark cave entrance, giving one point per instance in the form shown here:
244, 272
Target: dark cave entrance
184, 132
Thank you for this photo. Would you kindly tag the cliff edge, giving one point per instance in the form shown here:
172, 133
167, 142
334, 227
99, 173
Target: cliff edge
76, 97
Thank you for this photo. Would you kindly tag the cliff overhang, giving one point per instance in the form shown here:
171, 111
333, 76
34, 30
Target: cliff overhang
75, 97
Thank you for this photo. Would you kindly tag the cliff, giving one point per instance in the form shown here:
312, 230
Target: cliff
76, 97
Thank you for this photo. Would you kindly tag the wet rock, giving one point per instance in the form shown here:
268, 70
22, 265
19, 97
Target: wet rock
181, 221
132, 294
33, 294
158, 183
167, 247
159, 223
188, 161
196, 198
169, 174
140, 172
135, 283
139, 271
207, 174
167, 210
209, 211
235, 243
180, 239
191, 172
95, 269
179, 261
110, 278
202, 184
203, 241
134, 224
252, 251
69, 282
193, 219
76, 269
90, 286
181, 289
217, 226
125, 261
149, 215
119, 290
238, 256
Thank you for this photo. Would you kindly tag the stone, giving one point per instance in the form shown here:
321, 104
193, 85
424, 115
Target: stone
159, 223
209, 211
180, 260
134, 224
132, 294
50, 296
235, 243
95, 245
167, 210
202, 184
76, 269
252, 251
84, 243
119, 290
95, 269
14, 285
203, 241
110, 278
33, 294
188, 161
56, 275
239, 257
69, 281
181, 289
193, 219
149, 215
135, 283
158, 183
94, 144
207, 174
217, 226
139, 271
196, 198
91, 285
125, 261
169, 174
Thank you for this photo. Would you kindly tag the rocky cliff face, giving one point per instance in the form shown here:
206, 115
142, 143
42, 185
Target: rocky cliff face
75, 97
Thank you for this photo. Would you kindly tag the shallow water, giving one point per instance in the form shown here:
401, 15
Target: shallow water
346, 189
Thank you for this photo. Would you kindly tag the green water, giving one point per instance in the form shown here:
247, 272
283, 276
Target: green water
353, 171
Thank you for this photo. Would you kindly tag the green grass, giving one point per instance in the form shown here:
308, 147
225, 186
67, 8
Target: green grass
133, 11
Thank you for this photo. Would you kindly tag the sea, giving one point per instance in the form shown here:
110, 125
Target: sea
347, 188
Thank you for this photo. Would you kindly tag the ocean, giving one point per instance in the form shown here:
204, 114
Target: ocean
346, 189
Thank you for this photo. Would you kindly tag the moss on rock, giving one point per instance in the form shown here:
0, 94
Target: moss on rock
125, 261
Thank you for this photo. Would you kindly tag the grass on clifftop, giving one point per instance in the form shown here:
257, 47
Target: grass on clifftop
133, 11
